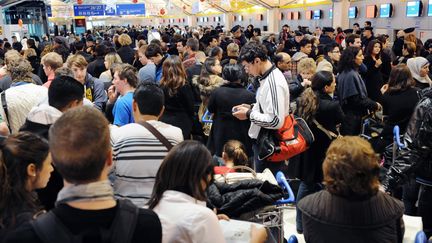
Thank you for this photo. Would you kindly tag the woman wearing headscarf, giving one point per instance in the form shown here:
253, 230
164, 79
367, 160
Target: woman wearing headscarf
419, 67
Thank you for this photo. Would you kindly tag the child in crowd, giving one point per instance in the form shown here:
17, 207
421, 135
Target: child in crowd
234, 153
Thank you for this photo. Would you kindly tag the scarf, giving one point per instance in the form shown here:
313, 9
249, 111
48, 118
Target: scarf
95, 191
415, 64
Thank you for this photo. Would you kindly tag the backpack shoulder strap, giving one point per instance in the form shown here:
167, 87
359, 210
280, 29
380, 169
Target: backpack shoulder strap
50, 229
157, 134
123, 227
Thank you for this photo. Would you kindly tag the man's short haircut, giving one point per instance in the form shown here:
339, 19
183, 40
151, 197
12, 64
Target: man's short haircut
63, 90
64, 71
351, 38
182, 40
304, 42
329, 48
210, 39
80, 144
100, 50
53, 60
153, 50
79, 46
76, 60
215, 51
149, 98
128, 72
253, 50
368, 23
156, 41
356, 24
193, 44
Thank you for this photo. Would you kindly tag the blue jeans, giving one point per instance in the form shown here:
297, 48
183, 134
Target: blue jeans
303, 191
260, 165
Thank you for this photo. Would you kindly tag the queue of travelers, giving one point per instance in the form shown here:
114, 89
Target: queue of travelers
128, 127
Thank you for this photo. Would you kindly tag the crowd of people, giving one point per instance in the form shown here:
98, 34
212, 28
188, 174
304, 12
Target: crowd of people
118, 133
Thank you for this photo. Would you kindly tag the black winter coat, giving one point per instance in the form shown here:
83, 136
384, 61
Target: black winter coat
127, 54
330, 218
373, 79
96, 67
242, 197
308, 165
416, 159
225, 126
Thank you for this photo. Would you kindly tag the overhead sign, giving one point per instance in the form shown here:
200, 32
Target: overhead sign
110, 10
89, 10
131, 9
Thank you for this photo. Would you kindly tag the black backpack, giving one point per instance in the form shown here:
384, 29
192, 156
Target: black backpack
50, 229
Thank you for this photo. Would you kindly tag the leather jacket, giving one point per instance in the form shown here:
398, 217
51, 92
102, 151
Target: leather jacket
416, 158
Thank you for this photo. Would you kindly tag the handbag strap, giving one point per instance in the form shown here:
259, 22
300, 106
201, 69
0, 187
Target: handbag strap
329, 134
157, 134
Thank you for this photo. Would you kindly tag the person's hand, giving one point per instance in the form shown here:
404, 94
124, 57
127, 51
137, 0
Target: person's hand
378, 62
379, 106
112, 94
240, 112
258, 235
221, 216
384, 88
306, 83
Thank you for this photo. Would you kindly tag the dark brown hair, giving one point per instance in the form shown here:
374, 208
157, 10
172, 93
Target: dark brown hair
351, 168
183, 169
18, 151
173, 75
128, 72
400, 79
80, 144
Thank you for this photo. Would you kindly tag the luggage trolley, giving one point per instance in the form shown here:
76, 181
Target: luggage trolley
274, 219
371, 126
272, 216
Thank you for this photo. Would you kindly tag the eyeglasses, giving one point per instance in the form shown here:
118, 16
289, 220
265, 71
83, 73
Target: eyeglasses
335, 51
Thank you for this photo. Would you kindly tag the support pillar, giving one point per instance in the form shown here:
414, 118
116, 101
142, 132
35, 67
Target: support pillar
192, 21
273, 21
228, 21
340, 14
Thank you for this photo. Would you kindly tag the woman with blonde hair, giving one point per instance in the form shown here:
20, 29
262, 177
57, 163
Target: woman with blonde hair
31, 55
179, 104
111, 59
306, 68
126, 52
352, 208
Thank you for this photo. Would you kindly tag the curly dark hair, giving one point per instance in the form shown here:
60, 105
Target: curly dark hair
351, 168
347, 60
253, 50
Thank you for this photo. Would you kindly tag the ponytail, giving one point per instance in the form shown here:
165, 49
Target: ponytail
236, 152
307, 105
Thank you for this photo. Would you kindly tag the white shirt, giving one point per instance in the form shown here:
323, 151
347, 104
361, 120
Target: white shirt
273, 98
185, 219
20, 100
